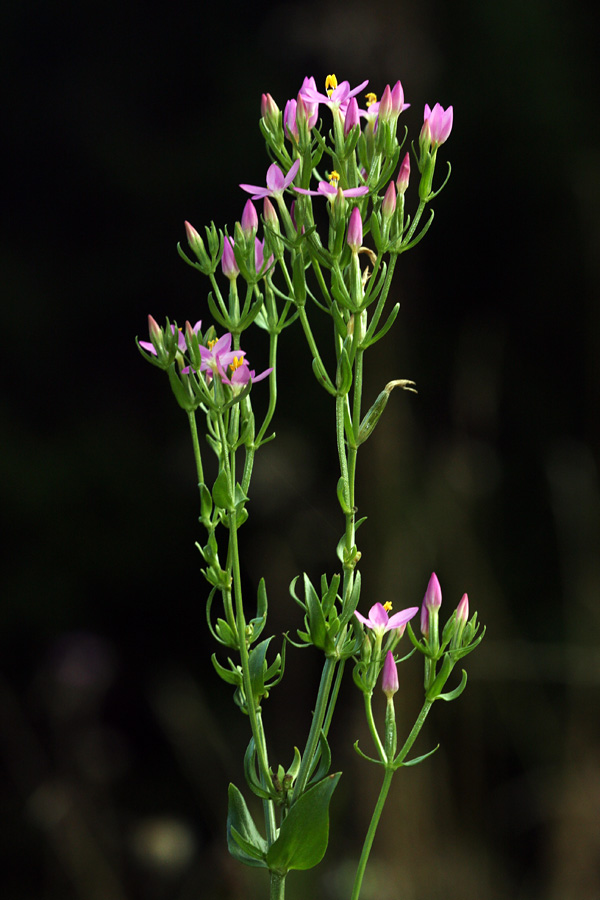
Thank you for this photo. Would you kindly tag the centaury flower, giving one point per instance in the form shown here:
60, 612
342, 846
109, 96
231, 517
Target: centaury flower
276, 182
336, 95
330, 189
380, 622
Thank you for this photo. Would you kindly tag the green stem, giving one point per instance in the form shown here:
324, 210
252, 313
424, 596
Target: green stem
366, 850
277, 891
316, 727
196, 445
373, 728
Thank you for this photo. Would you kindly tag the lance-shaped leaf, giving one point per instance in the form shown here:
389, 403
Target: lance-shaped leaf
304, 833
244, 841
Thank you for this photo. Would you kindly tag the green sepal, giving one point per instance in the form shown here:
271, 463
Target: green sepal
217, 314
221, 492
183, 397
341, 495
231, 676
364, 755
418, 759
244, 841
252, 778
324, 756
257, 667
376, 232
329, 593
304, 833
384, 329
315, 620
353, 601
322, 376
343, 377
452, 695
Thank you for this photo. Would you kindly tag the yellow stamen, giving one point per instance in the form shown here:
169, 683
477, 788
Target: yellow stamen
212, 343
334, 178
331, 83
237, 362
370, 98
387, 606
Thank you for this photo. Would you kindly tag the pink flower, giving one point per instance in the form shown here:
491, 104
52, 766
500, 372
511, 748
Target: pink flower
380, 622
330, 189
388, 206
337, 95
290, 126
389, 680
437, 124
352, 117
241, 374
276, 182
218, 356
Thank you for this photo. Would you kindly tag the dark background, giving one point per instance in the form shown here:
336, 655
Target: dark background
117, 740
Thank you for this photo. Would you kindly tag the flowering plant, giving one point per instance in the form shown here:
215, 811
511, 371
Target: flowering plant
286, 278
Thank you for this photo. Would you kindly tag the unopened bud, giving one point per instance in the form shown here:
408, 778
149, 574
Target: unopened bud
389, 681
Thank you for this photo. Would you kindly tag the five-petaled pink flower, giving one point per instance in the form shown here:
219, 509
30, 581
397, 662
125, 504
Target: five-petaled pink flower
276, 182
330, 189
217, 357
380, 622
241, 374
337, 95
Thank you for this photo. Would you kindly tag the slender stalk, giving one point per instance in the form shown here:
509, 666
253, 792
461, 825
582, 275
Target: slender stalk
366, 850
196, 446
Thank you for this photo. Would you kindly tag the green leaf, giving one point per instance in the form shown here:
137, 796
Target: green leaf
304, 833
221, 491
244, 841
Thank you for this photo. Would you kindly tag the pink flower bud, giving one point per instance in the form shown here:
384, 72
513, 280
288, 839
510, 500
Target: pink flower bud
290, 124
437, 124
389, 680
385, 105
352, 118
268, 107
398, 99
424, 621
228, 263
388, 206
403, 175
270, 214
355, 230
433, 595
154, 330
249, 220
192, 235
462, 610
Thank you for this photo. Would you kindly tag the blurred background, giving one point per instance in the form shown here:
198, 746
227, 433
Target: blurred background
117, 741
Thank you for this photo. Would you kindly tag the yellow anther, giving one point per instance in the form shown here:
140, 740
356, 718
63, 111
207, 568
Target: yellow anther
334, 178
237, 362
330, 84
387, 606
370, 98
212, 343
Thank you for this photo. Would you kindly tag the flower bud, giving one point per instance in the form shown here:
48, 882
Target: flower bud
403, 175
355, 230
249, 220
388, 206
433, 595
268, 108
228, 261
385, 105
389, 680
462, 610
352, 117
290, 124
270, 215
